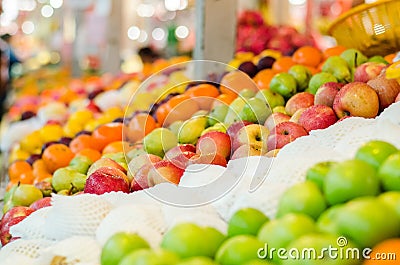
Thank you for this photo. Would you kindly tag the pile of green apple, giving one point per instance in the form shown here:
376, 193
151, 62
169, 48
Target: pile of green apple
348, 205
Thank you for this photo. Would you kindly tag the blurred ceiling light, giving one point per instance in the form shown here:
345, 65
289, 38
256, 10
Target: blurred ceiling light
182, 32
143, 36
42, 1
28, 27
174, 5
26, 5
56, 3
133, 33
47, 11
158, 34
10, 12
145, 10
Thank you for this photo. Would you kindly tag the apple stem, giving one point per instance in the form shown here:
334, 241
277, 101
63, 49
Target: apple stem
71, 189
355, 60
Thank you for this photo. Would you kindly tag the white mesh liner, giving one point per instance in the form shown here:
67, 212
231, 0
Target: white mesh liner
144, 219
392, 113
199, 175
75, 215
76, 250
172, 214
22, 251
33, 226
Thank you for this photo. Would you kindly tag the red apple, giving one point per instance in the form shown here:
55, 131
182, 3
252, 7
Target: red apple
235, 127
284, 133
41, 203
317, 117
326, 93
246, 150
5, 236
387, 90
210, 159
106, 179
254, 134
140, 180
296, 116
179, 149
105, 162
368, 71
15, 212
275, 118
397, 98
164, 171
214, 142
299, 101
182, 160
356, 99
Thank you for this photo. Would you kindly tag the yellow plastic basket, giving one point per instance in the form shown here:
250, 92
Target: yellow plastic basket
373, 28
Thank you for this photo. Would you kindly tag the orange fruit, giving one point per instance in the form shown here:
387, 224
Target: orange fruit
333, 51
224, 99
139, 126
283, 64
307, 55
263, 78
107, 133
116, 147
389, 58
175, 100
234, 82
203, 90
162, 112
314, 70
386, 252
80, 142
17, 168
56, 156
26, 177
92, 154
40, 171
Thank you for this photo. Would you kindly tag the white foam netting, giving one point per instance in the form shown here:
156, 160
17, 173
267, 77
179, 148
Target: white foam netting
255, 182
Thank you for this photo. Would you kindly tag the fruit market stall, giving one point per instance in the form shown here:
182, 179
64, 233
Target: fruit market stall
274, 158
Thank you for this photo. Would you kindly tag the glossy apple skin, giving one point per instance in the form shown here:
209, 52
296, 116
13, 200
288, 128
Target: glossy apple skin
164, 171
5, 236
105, 162
137, 162
107, 179
44, 202
15, 212
299, 101
326, 93
254, 134
140, 180
211, 159
274, 119
246, 150
356, 99
235, 127
179, 149
285, 133
214, 142
368, 71
317, 117
387, 90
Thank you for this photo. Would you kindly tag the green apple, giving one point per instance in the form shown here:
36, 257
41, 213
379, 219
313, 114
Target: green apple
234, 109
191, 130
238, 250
392, 199
317, 173
375, 152
353, 57
25, 195
218, 127
119, 245
338, 67
258, 262
273, 99
377, 59
278, 233
137, 151
247, 93
246, 221
350, 179
318, 80
65, 178
280, 109
189, 240
78, 182
159, 141
215, 239
303, 198
284, 84
81, 164
197, 261
327, 222
218, 114
255, 110
368, 221
150, 257
175, 126
321, 249
389, 173
302, 76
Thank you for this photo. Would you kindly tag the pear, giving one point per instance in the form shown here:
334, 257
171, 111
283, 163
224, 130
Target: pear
339, 68
353, 57
234, 109
191, 130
